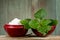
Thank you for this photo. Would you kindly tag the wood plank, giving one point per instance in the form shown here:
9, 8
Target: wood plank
4, 37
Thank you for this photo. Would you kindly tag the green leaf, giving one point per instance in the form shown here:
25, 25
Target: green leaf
40, 14
34, 23
45, 22
44, 29
54, 22
25, 22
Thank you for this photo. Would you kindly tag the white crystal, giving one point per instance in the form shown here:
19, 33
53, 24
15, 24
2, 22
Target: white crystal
15, 21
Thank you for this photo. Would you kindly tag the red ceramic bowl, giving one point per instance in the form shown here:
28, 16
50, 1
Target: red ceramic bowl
41, 35
15, 30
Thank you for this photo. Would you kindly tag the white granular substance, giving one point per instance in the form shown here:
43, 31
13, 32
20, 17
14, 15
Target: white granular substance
15, 21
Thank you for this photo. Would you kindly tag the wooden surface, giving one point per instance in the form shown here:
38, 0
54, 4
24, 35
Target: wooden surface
3, 37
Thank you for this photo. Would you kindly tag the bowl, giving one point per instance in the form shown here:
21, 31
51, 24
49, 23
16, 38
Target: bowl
15, 30
41, 35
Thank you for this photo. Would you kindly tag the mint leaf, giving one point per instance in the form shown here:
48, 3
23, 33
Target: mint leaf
45, 22
40, 14
34, 23
25, 22
54, 22
44, 29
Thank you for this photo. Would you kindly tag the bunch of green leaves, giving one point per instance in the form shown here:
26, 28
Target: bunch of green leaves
41, 24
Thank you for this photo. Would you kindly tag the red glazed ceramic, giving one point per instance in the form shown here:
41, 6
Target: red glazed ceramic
41, 35
15, 30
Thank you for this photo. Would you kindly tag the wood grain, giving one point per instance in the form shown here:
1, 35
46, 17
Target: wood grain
4, 37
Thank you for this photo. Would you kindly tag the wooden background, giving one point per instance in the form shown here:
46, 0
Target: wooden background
10, 9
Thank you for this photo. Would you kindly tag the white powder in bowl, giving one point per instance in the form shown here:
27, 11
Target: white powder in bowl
15, 21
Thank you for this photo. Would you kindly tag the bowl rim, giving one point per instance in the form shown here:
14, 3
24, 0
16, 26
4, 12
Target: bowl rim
13, 24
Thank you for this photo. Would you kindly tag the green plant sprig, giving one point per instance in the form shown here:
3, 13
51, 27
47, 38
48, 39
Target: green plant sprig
41, 24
